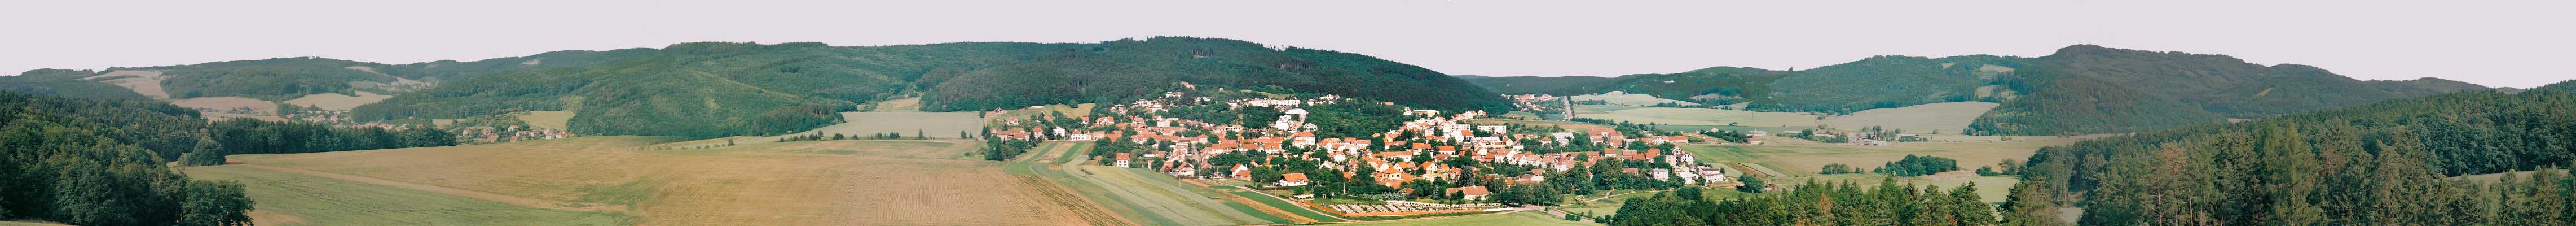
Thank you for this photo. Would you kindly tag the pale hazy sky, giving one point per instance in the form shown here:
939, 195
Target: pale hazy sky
2493, 43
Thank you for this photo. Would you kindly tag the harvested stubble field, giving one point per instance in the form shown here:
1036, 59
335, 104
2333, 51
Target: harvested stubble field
1143, 196
789, 183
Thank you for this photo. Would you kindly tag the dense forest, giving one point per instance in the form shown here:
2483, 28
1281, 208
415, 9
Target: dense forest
2081, 89
73, 161
270, 79
711, 89
2375, 164
65, 83
1815, 203
720, 89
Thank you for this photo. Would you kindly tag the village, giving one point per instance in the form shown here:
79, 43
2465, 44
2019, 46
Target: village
1429, 162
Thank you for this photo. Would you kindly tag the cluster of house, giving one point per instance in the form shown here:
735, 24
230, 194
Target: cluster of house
1860, 137
1440, 137
1410, 152
512, 133
316, 115
1539, 103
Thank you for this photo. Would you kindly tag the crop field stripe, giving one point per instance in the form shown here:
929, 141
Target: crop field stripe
1166, 202
1138, 192
1284, 205
1256, 212
1104, 194
1083, 187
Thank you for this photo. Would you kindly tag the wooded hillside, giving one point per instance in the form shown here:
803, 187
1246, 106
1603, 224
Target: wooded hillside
2376, 164
2081, 89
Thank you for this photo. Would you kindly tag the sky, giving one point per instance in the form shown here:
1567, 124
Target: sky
2492, 43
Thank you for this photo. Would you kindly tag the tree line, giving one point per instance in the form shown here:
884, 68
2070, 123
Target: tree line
66, 160
2377, 164
1815, 203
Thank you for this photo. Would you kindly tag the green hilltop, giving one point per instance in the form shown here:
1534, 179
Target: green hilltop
2081, 89
711, 89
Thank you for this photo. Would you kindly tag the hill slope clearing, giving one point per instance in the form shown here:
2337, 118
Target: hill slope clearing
547, 119
1694, 116
1622, 98
338, 102
146, 82
789, 183
1944, 117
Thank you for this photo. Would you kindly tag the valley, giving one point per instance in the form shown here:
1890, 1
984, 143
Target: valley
1210, 131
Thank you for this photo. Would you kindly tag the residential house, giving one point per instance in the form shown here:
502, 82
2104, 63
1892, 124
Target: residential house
1292, 180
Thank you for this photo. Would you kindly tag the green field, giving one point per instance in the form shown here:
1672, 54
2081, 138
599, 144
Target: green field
1507, 219
547, 119
1801, 162
1924, 118
1139, 195
298, 199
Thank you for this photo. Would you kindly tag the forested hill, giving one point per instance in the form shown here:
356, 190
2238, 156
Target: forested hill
2081, 89
718, 89
2569, 85
1559, 85
2376, 164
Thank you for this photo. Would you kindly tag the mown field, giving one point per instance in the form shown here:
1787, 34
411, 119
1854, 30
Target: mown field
1921, 119
547, 119
778, 183
1145, 197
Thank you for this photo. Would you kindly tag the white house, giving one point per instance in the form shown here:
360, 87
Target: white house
1292, 180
